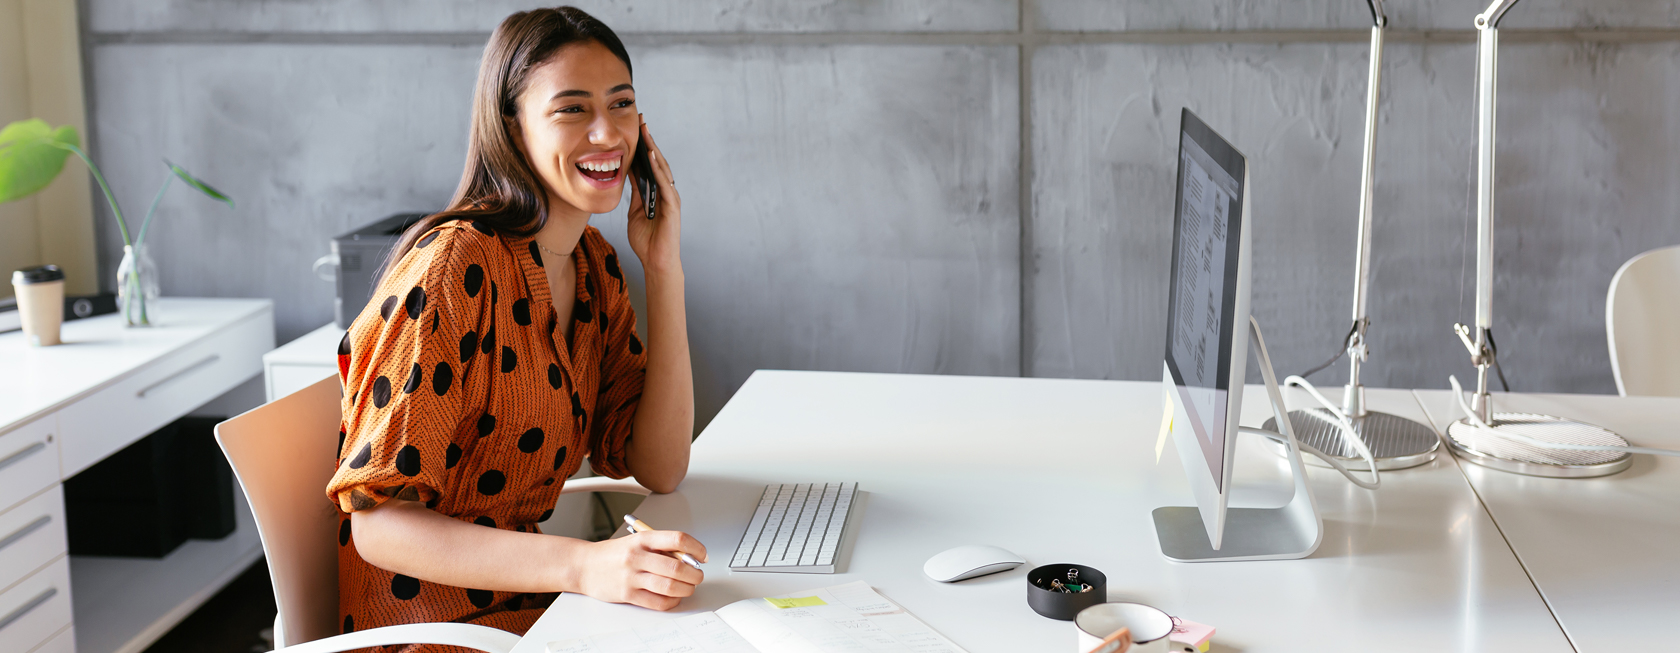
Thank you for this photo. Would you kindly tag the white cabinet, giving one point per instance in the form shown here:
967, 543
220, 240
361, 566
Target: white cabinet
66, 408
300, 363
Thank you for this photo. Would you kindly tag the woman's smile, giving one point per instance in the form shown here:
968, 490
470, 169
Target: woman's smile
602, 170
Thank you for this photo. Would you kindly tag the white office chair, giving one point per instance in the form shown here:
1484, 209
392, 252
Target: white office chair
1642, 321
279, 454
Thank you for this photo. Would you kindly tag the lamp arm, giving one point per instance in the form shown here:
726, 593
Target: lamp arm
1495, 11
1378, 18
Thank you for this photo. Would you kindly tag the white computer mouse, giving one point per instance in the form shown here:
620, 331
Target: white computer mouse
965, 562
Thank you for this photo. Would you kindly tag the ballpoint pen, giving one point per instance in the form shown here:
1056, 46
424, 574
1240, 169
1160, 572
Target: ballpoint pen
637, 526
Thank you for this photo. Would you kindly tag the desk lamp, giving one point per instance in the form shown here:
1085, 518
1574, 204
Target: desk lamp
1525, 443
1395, 442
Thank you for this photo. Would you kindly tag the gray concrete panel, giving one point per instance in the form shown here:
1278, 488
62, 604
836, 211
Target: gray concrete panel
623, 15
846, 208
1584, 185
1201, 15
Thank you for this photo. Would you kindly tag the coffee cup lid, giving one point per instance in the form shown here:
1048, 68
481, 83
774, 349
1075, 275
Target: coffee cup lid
39, 274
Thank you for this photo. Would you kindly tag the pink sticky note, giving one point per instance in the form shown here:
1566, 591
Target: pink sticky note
1190, 633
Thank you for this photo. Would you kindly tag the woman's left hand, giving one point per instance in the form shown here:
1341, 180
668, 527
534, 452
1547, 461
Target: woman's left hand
657, 242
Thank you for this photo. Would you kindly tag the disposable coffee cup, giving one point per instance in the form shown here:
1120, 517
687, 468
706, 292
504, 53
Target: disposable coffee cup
1151, 627
40, 301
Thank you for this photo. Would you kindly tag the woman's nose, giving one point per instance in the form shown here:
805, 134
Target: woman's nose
603, 132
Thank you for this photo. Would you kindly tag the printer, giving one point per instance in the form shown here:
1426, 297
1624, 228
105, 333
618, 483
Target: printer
360, 254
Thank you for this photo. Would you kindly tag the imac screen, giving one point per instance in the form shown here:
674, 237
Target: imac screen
1203, 294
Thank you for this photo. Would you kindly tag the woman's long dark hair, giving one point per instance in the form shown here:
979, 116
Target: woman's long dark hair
498, 187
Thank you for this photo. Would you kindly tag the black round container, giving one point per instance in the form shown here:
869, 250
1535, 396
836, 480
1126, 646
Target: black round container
1061, 605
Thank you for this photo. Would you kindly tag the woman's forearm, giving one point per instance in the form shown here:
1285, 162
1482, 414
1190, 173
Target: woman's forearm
407, 538
664, 424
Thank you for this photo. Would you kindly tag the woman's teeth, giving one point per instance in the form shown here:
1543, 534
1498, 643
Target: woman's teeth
600, 166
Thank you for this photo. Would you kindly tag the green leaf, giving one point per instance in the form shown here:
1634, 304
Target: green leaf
32, 154
195, 183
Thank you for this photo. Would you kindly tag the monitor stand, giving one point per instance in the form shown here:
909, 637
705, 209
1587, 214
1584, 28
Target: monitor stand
1285, 533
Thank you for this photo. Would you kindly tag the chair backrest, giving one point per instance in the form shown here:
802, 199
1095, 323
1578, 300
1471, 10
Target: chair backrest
283, 455
1642, 321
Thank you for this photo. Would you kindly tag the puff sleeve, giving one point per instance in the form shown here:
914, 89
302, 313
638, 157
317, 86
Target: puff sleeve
623, 366
404, 366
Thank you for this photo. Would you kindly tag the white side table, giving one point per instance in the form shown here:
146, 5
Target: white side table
297, 364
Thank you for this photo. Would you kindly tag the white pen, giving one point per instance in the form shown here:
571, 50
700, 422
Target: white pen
637, 526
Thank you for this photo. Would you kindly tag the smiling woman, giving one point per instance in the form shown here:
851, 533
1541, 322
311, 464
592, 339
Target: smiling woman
500, 350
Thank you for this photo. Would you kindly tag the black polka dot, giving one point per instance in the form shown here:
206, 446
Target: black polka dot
581, 310
451, 456
579, 414
554, 378
603, 321
493, 293
589, 285
491, 483
414, 378
405, 587
536, 254
415, 302
344, 532
531, 441
408, 461
442, 376
489, 343
474, 280
341, 443
559, 458
485, 522
546, 514
483, 228
469, 342
349, 624
612, 267
344, 345
486, 424
522, 311
481, 598
635, 345
427, 240
381, 392
362, 457
385, 308
434, 321
510, 360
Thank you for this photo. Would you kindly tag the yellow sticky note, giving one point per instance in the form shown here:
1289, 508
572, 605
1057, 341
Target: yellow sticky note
799, 602
1166, 427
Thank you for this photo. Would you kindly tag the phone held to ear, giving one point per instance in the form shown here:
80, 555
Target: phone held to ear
643, 170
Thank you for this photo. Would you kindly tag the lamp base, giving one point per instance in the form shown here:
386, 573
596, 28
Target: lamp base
1518, 457
1395, 442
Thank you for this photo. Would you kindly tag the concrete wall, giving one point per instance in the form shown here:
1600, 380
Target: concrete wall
951, 186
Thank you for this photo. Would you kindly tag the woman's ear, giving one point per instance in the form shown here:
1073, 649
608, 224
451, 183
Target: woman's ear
516, 134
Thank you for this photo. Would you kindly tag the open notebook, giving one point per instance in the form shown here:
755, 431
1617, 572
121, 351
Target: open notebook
850, 617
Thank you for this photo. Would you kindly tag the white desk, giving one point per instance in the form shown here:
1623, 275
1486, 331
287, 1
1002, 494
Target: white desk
943, 461
1604, 552
65, 408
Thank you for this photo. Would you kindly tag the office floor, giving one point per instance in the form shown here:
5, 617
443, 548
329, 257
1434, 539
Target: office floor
235, 620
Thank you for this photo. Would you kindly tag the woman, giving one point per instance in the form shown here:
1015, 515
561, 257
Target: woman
472, 391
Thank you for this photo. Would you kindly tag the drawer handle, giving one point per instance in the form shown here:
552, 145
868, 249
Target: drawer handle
208, 360
20, 454
24, 532
25, 608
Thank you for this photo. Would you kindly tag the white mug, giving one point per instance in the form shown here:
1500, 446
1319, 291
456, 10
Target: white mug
1150, 627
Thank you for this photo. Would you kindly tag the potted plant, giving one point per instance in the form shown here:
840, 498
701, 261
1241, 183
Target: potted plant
32, 153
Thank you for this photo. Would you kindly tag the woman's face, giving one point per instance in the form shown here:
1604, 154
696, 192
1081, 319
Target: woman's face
578, 127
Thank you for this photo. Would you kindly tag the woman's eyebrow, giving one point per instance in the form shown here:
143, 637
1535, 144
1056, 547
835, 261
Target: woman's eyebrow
582, 93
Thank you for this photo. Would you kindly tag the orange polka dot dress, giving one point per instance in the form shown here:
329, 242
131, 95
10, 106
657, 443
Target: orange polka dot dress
461, 392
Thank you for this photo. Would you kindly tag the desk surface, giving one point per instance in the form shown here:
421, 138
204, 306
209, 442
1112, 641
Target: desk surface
945, 461
1604, 552
98, 351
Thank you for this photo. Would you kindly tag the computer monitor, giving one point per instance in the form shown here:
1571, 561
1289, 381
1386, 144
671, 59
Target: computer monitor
1207, 309
1208, 338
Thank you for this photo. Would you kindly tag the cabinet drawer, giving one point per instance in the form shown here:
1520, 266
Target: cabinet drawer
65, 642
34, 610
31, 535
28, 460
114, 417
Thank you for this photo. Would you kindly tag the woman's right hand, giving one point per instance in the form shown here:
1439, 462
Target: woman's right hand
640, 569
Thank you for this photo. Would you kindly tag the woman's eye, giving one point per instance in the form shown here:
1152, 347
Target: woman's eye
623, 103
570, 109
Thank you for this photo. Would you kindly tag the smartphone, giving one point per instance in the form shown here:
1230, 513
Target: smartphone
643, 170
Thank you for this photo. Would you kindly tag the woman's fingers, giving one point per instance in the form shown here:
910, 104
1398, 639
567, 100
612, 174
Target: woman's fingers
651, 601
675, 541
661, 168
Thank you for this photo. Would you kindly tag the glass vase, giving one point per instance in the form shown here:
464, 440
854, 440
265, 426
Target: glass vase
137, 287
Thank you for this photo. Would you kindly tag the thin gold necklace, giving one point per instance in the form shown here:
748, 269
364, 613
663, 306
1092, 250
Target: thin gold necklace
550, 251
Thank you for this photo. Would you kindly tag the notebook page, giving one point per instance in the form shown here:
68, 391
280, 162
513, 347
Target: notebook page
697, 633
840, 619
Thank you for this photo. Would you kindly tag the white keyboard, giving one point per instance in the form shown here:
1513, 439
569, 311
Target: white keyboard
796, 529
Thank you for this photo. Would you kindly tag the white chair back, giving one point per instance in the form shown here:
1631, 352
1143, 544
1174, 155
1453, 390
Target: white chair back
1642, 321
283, 455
